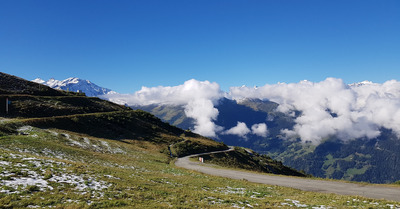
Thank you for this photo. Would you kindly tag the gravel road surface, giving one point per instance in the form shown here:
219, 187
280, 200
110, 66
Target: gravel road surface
370, 191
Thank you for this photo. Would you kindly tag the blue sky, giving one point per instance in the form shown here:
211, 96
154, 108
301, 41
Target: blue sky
124, 45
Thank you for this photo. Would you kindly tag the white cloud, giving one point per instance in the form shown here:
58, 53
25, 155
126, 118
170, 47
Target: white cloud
260, 129
328, 108
198, 98
240, 129
204, 112
331, 107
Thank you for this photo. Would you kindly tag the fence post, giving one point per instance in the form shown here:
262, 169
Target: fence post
6, 105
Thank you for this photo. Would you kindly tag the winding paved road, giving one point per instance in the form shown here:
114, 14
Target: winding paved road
370, 191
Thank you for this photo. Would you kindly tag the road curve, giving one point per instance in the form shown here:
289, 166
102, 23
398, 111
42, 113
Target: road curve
370, 191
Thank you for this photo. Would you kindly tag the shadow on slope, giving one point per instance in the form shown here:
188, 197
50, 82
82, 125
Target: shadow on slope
246, 159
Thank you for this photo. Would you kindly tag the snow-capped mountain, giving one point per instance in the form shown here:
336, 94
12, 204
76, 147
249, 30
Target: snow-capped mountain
363, 83
75, 84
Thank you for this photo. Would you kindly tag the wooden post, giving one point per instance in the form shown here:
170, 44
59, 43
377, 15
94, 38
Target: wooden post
6, 105
169, 149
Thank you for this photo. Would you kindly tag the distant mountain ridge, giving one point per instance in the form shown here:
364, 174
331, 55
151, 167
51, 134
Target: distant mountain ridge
75, 84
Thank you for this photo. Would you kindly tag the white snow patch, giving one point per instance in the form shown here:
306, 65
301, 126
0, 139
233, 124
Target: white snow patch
4, 163
111, 177
25, 130
33, 206
53, 132
18, 181
81, 182
86, 140
294, 203
27, 181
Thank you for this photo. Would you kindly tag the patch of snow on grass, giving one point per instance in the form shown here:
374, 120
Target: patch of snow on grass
17, 175
393, 206
4, 163
53, 132
322, 207
33, 206
295, 203
86, 140
250, 206
51, 153
110, 149
95, 145
26, 181
73, 142
25, 130
29, 158
230, 190
81, 182
111, 177
105, 144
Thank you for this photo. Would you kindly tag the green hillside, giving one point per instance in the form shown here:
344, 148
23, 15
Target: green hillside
36, 105
175, 115
63, 150
56, 168
28, 99
14, 85
241, 158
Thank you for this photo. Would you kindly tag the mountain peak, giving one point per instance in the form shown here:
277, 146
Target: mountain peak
74, 80
39, 80
362, 83
76, 84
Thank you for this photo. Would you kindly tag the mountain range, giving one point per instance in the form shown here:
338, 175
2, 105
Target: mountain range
75, 84
375, 160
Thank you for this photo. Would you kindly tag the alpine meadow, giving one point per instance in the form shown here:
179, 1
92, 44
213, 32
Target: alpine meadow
200, 104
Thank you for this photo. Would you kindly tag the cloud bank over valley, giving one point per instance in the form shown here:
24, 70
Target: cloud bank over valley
198, 98
327, 108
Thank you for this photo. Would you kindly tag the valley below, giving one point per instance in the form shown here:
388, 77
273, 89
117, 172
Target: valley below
364, 160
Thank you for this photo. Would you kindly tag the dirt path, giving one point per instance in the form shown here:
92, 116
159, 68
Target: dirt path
370, 191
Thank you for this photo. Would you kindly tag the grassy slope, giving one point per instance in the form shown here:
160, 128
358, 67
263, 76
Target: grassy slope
129, 173
37, 105
28, 106
123, 125
175, 115
14, 85
246, 159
